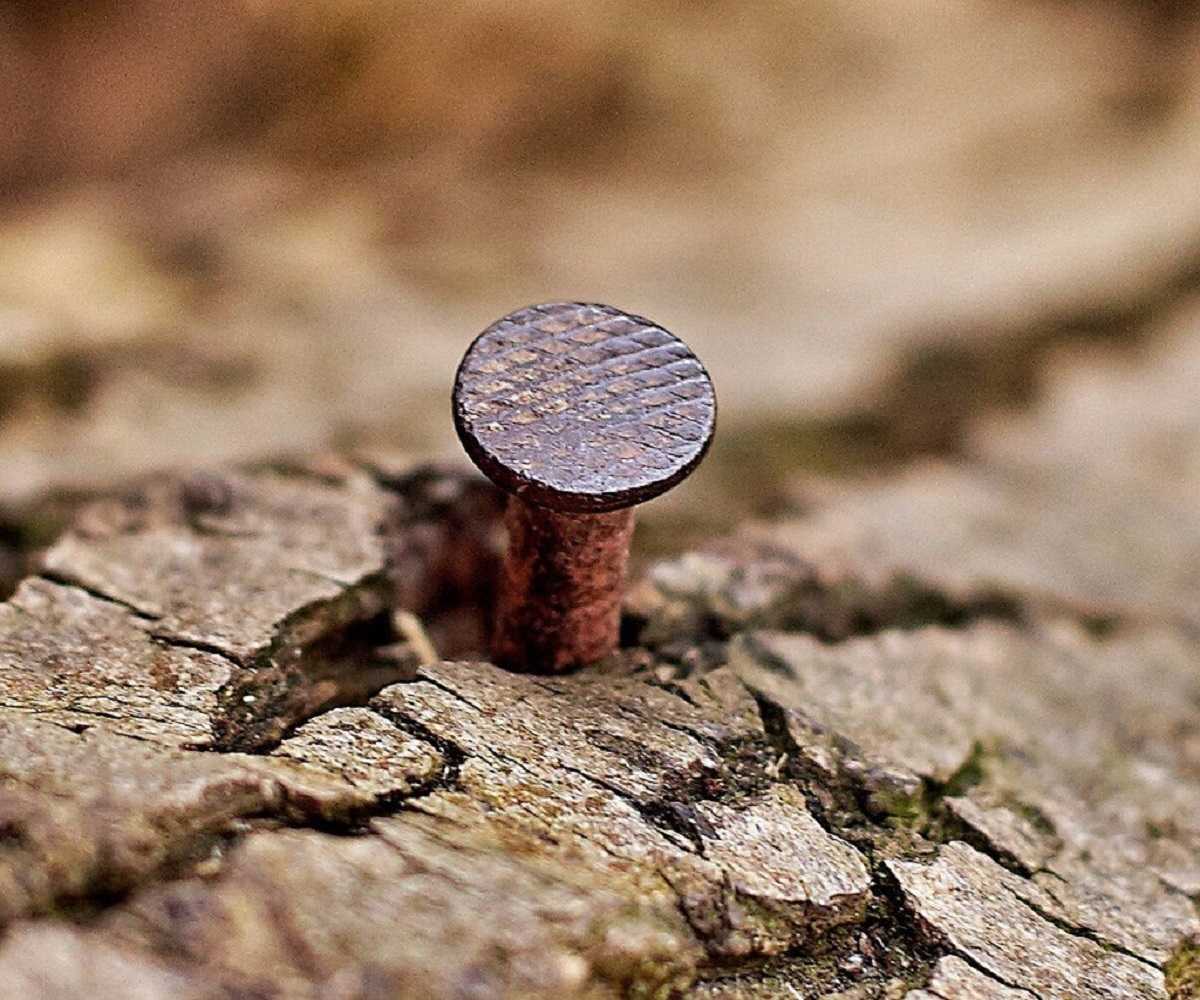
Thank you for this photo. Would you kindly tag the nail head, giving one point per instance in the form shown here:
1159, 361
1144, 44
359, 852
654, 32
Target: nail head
583, 408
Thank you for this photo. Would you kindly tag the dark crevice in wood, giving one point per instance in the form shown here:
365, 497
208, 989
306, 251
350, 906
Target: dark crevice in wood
285, 687
66, 580
1080, 932
984, 970
178, 642
453, 755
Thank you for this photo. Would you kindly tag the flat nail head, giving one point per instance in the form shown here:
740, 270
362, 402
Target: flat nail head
582, 408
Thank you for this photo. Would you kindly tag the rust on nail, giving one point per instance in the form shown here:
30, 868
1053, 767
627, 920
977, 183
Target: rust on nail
559, 602
579, 412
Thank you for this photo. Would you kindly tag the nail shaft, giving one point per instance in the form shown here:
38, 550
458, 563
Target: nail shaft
559, 604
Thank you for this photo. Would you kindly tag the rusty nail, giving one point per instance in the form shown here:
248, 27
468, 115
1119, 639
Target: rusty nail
579, 412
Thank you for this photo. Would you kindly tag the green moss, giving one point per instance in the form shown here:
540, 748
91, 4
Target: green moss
969, 774
900, 809
922, 810
1183, 971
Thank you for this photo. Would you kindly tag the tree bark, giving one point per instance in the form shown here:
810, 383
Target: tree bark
930, 736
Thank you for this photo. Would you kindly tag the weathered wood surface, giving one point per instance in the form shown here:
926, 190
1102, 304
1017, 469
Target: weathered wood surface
931, 737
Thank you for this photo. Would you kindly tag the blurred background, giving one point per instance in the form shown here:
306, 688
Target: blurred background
246, 229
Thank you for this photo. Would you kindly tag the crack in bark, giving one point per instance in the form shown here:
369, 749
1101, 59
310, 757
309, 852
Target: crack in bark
453, 755
67, 580
985, 971
1077, 931
198, 645
423, 677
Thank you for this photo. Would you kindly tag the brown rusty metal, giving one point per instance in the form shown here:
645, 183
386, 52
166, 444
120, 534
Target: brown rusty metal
559, 603
579, 412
